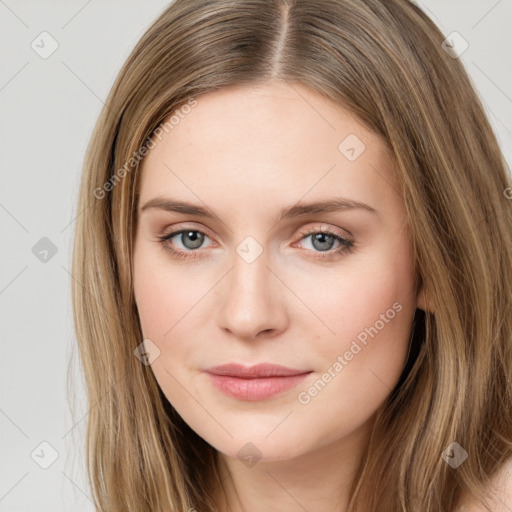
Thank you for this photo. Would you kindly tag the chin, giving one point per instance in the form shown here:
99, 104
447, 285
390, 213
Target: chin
251, 452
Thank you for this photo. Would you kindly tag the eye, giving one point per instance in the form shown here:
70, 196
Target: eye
322, 241
191, 239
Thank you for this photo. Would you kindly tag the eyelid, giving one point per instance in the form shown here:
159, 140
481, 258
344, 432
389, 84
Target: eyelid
323, 228
315, 228
175, 229
182, 226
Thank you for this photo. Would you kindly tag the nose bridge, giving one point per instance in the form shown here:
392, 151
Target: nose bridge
249, 302
250, 267
249, 281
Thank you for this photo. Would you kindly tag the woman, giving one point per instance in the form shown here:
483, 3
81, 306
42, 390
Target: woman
295, 268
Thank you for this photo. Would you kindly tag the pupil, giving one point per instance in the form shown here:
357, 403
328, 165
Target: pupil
320, 238
195, 237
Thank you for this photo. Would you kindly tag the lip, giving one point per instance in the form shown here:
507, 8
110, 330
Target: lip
254, 383
256, 371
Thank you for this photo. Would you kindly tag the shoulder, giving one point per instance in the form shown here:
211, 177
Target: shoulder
499, 493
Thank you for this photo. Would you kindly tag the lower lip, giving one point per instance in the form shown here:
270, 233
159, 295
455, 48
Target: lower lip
255, 389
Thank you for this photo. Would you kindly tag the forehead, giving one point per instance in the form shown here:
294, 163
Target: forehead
276, 141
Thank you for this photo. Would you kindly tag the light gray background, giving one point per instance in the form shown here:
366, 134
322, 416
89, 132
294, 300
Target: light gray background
48, 109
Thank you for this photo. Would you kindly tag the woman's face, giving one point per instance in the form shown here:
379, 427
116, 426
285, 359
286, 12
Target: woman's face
272, 276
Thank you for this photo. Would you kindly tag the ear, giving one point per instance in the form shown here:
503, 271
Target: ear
423, 301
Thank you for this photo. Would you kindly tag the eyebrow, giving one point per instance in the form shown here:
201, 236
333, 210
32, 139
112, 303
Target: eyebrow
327, 206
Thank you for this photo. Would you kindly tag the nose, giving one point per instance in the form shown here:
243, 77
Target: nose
253, 300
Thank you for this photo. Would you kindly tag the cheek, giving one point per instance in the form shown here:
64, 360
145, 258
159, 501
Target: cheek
151, 299
369, 315
162, 294
360, 294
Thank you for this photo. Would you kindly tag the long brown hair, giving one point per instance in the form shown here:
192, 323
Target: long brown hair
385, 62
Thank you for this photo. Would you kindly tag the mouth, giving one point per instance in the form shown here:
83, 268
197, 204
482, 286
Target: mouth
254, 383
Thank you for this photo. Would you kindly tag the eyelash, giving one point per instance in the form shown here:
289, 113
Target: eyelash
346, 247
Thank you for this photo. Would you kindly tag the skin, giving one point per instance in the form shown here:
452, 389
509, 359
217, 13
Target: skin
247, 153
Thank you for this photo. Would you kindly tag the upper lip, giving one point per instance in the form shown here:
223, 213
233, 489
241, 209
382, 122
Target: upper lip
252, 372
